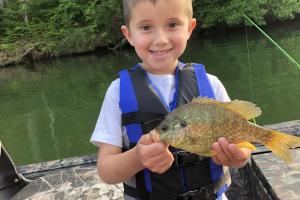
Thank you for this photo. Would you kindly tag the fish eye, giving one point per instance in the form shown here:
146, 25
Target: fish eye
183, 124
164, 127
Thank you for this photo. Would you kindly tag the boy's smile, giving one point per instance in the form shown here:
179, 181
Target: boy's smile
159, 33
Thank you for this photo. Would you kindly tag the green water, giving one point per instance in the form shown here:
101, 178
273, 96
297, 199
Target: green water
48, 110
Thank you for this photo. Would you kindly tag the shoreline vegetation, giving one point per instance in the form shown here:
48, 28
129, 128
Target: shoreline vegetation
32, 30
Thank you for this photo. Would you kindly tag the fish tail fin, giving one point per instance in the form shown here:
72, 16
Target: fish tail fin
280, 143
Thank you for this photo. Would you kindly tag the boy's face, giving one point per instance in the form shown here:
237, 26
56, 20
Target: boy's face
159, 33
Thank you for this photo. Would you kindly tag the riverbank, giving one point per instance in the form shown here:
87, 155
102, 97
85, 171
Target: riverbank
75, 178
29, 51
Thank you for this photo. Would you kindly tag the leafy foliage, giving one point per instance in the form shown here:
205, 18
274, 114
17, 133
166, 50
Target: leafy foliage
214, 12
59, 27
1, 21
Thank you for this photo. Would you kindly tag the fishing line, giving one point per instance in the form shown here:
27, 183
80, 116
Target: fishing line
272, 41
290, 58
249, 65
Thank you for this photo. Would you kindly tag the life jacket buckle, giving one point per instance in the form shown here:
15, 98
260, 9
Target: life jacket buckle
204, 193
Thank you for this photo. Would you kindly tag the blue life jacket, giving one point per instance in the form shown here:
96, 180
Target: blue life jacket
191, 176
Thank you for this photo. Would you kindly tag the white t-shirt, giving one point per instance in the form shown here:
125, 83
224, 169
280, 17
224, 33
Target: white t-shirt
108, 127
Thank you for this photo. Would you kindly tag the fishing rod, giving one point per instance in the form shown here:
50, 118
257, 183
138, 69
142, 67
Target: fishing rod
271, 40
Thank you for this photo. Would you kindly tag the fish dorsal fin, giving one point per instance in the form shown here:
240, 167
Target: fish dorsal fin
246, 109
204, 100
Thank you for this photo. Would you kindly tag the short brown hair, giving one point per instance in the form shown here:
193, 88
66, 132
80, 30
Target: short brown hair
129, 4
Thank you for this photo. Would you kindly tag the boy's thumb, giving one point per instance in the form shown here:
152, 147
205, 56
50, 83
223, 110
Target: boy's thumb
149, 138
155, 136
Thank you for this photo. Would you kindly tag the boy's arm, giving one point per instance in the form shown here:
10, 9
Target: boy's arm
115, 166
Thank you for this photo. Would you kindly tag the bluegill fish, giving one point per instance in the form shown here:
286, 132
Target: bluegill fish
195, 126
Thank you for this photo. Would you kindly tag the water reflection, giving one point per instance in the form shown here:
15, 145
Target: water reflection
32, 137
51, 125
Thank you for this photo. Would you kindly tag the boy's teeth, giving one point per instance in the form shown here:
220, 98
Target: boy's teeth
159, 53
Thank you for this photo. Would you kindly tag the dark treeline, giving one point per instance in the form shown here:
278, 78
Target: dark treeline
31, 29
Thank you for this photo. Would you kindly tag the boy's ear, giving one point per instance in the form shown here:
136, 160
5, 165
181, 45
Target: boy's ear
126, 34
192, 26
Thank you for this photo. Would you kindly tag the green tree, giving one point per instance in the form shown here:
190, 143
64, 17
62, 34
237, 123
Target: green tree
60, 27
214, 12
1, 21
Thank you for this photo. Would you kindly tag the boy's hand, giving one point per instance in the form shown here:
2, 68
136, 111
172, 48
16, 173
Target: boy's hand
229, 155
154, 154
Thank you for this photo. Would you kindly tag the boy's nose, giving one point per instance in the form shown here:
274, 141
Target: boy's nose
161, 37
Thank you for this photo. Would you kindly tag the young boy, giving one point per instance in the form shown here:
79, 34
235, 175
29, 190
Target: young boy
136, 102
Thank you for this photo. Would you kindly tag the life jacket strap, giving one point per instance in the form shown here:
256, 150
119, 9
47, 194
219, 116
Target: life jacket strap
141, 117
184, 158
181, 158
130, 191
206, 192
209, 192
141, 192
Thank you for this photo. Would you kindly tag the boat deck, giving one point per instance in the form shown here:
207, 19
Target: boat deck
76, 178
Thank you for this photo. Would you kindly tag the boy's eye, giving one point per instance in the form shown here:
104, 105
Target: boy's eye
173, 25
145, 28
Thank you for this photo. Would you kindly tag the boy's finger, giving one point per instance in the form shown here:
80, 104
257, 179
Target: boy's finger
149, 138
154, 163
216, 160
224, 146
154, 135
167, 163
240, 154
162, 167
155, 149
220, 154
146, 139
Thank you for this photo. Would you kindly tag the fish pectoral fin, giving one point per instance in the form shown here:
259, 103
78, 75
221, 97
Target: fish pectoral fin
207, 153
246, 109
247, 145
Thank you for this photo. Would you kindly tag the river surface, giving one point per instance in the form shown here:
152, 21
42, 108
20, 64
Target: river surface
48, 110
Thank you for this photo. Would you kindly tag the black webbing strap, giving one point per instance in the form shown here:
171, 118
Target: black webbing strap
140, 117
206, 192
141, 186
183, 158
139, 193
130, 191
